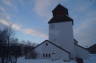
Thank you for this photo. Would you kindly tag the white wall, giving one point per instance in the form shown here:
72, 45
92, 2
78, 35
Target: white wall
59, 54
62, 35
81, 52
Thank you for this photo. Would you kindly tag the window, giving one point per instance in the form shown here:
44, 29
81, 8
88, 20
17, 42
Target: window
43, 55
49, 55
46, 55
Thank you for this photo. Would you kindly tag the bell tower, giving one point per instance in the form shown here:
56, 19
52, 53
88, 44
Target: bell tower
60, 29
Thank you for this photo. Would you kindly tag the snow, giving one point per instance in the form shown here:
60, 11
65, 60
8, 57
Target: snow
22, 60
91, 59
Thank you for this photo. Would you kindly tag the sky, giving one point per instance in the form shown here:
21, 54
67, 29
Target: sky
29, 18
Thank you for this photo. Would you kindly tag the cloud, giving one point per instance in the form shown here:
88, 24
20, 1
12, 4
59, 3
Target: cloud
10, 24
4, 22
21, 2
3, 13
43, 7
16, 26
10, 4
84, 7
5, 16
23, 30
86, 32
2, 9
35, 32
7, 2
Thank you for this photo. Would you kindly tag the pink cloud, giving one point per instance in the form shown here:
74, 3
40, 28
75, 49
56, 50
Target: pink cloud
23, 30
43, 7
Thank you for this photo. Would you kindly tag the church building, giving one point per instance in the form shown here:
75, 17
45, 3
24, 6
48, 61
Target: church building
61, 43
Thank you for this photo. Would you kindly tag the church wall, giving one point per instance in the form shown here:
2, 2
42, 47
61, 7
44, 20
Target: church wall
81, 52
51, 51
62, 34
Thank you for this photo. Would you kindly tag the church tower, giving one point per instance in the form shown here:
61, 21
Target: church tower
60, 29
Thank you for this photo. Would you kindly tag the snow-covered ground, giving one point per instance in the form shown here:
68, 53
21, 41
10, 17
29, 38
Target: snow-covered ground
91, 59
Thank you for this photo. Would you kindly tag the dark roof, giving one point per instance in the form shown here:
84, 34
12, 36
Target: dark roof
60, 14
59, 7
60, 10
54, 45
92, 49
57, 19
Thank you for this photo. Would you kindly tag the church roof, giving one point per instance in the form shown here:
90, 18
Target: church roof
76, 43
60, 14
54, 45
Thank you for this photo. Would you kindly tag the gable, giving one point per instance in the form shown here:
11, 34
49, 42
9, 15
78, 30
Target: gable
49, 50
47, 43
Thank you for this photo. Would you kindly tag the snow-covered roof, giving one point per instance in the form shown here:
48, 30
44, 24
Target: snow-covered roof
76, 43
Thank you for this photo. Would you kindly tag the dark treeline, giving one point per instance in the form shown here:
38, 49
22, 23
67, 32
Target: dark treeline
11, 48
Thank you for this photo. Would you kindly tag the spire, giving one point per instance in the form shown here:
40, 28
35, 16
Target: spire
60, 14
60, 10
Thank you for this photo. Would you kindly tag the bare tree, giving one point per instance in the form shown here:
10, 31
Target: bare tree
5, 36
29, 51
11, 49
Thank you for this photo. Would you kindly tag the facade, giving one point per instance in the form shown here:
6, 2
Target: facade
62, 34
49, 50
61, 44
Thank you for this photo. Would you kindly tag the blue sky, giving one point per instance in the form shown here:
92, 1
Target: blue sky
29, 18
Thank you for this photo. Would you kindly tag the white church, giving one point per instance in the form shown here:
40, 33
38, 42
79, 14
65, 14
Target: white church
61, 43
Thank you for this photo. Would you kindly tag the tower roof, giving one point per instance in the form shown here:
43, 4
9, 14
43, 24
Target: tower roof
58, 19
60, 14
60, 10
